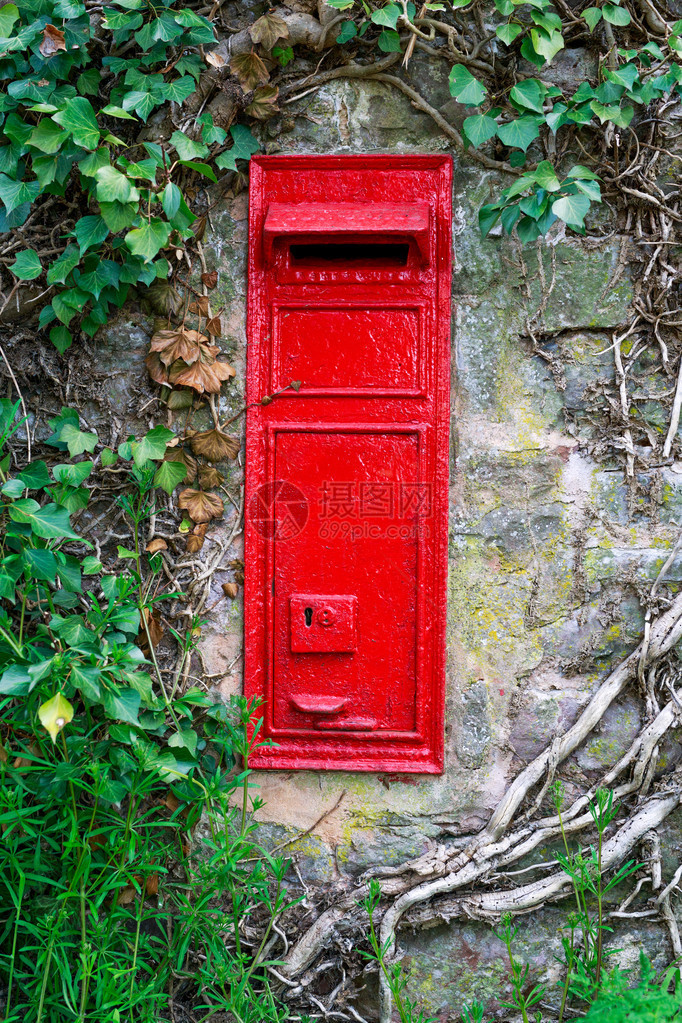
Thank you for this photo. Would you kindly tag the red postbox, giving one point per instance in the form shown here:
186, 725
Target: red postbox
347, 478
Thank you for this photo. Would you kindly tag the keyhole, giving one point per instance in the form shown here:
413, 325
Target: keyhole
308, 612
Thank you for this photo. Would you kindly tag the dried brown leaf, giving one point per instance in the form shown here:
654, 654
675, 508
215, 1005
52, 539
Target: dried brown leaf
154, 628
215, 445
264, 103
214, 326
199, 228
126, 896
152, 884
209, 477
194, 543
204, 375
172, 801
214, 59
250, 70
210, 279
180, 455
53, 41
178, 343
157, 544
230, 590
156, 368
200, 506
268, 29
200, 305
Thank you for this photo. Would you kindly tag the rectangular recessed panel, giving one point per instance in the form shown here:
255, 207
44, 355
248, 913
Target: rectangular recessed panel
359, 539
348, 349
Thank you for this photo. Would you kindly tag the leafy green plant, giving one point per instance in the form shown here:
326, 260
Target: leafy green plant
74, 95
108, 912
650, 1001
395, 976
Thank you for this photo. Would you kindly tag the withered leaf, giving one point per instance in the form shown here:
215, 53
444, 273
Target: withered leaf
215, 445
164, 298
200, 506
194, 543
200, 305
214, 326
172, 801
204, 375
295, 385
178, 400
177, 343
209, 477
268, 29
230, 590
126, 896
157, 544
214, 59
52, 42
199, 228
152, 884
264, 103
250, 70
156, 368
238, 567
154, 628
210, 279
179, 455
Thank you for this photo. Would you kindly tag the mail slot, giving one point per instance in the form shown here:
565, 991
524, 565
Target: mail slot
347, 477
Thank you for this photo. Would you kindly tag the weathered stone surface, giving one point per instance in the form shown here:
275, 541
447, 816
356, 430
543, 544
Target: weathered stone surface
544, 555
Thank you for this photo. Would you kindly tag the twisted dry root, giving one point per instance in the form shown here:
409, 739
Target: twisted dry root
451, 867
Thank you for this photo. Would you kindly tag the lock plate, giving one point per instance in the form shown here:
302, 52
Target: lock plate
323, 623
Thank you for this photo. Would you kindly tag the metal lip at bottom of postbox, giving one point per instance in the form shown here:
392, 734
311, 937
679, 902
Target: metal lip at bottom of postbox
422, 759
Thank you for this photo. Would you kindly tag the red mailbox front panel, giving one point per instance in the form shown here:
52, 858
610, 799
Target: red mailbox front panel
347, 478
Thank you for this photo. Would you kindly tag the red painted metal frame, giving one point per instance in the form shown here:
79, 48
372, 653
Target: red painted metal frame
385, 324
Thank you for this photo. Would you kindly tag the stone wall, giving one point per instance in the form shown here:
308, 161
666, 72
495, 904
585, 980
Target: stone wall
545, 553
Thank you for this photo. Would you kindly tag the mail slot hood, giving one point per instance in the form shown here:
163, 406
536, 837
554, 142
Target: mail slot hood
339, 221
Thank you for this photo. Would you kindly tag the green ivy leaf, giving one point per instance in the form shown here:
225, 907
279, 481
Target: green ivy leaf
50, 522
479, 129
244, 145
545, 175
9, 13
27, 265
42, 564
389, 41
148, 239
47, 136
186, 148
508, 33
61, 337
112, 186
152, 446
90, 231
487, 217
170, 200
35, 476
520, 132
169, 474
347, 32
75, 439
61, 268
118, 215
529, 94
78, 117
387, 16
592, 16
616, 15
104, 274
123, 705
571, 209
16, 193
465, 88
